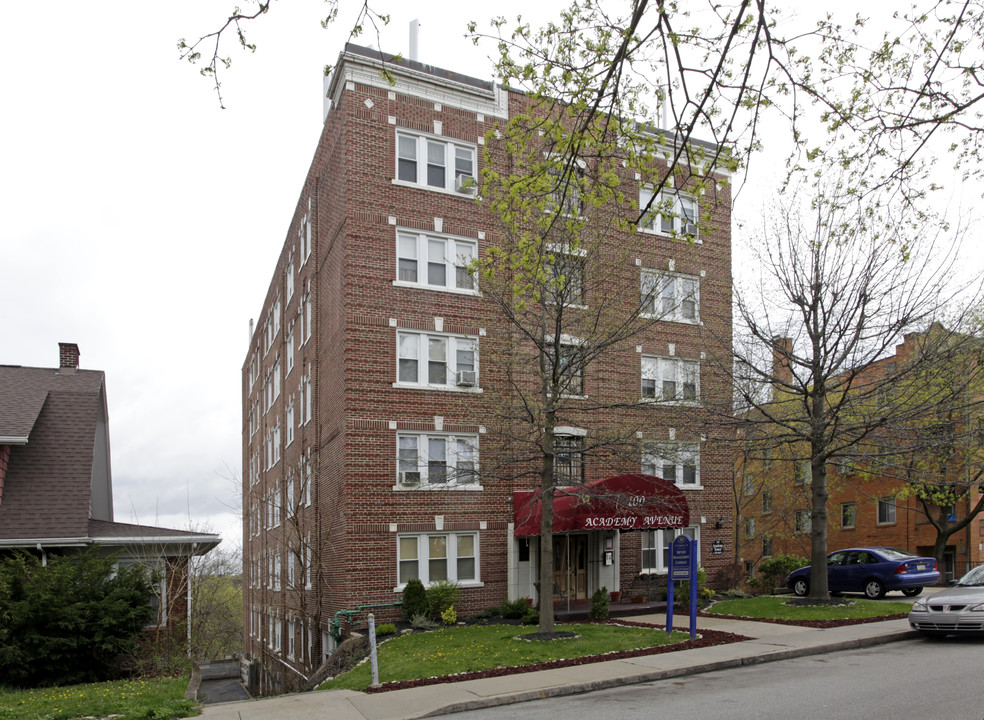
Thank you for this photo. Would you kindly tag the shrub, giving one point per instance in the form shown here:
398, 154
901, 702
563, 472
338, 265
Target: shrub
385, 629
514, 609
440, 596
449, 616
414, 599
599, 604
681, 591
530, 616
422, 622
773, 571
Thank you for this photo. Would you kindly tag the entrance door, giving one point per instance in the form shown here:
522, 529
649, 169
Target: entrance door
571, 566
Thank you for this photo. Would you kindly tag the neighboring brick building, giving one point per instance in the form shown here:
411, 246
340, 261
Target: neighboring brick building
868, 504
362, 468
56, 492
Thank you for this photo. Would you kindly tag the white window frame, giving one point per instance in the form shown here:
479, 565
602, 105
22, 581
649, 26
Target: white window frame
661, 370
422, 145
414, 246
290, 349
656, 543
655, 458
660, 289
423, 558
570, 255
418, 461
290, 279
680, 206
415, 347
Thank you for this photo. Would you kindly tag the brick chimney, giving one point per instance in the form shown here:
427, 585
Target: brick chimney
782, 368
68, 358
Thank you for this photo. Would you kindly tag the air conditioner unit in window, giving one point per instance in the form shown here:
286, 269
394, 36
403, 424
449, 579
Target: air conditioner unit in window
464, 184
466, 378
690, 229
410, 477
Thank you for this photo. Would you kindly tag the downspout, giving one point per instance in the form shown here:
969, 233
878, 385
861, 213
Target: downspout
188, 621
44, 556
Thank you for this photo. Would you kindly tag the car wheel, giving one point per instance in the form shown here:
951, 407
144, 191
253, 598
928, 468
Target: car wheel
911, 592
873, 589
801, 587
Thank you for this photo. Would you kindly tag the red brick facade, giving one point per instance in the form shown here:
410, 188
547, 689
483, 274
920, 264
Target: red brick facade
313, 552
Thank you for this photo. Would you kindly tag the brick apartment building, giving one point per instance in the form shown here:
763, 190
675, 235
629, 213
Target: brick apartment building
369, 378
869, 504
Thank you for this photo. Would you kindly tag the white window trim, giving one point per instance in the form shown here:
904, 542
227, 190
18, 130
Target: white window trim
449, 438
451, 357
684, 450
654, 224
449, 163
564, 249
660, 362
656, 278
660, 569
450, 274
452, 558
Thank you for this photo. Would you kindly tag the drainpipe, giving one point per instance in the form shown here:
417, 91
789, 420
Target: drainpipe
188, 621
44, 556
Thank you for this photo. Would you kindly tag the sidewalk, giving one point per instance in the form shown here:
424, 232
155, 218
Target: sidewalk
769, 642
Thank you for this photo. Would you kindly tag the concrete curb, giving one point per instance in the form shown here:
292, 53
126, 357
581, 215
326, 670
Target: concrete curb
579, 688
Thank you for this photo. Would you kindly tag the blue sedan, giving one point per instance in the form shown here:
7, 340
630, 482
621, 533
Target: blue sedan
872, 571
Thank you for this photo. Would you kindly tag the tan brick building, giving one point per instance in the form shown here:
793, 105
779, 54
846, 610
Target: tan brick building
371, 371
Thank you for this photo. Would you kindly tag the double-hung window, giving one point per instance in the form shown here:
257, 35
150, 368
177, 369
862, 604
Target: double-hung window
849, 515
803, 521
435, 261
430, 360
429, 459
671, 379
566, 268
435, 162
671, 296
886, 511
570, 369
656, 547
678, 463
568, 459
671, 213
438, 556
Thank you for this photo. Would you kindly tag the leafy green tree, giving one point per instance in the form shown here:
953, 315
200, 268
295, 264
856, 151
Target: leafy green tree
71, 620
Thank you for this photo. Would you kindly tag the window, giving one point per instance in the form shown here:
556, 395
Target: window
566, 276
748, 484
670, 213
670, 379
886, 511
801, 472
290, 279
437, 459
436, 360
767, 546
435, 163
290, 349
290, 423
656, 547
678, 464
570, 378
670, 296
766, 502
749, 527
849, 514
435, 261
804, 523
565, 195
568, 460
440, 556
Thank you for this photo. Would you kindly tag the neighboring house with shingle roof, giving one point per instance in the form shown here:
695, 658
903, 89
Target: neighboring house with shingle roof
56, 488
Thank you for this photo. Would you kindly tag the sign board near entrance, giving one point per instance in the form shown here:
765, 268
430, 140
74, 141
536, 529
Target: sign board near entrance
680, 558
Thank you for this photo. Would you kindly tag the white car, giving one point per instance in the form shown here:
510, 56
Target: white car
958, 609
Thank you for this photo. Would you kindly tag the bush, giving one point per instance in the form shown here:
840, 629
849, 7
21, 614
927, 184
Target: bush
414, 599
530, 616
773, 571
681, 591
385, 629
514, 609
599, 604
440, 596
449, 616
71, 621
422, 622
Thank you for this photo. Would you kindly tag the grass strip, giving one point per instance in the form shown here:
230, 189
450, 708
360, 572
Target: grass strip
138, 699
454, 650
776, 608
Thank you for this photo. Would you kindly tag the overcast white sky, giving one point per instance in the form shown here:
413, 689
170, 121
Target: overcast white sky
142, 222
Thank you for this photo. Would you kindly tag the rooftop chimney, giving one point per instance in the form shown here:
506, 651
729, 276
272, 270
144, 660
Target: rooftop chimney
68, 357
414, 38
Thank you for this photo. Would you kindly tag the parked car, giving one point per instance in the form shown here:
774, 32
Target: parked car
958, 609
872, 571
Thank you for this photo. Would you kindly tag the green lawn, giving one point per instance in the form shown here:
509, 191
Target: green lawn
776, 608
483, 647
152, 699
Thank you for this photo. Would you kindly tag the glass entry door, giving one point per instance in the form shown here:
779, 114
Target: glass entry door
570, 567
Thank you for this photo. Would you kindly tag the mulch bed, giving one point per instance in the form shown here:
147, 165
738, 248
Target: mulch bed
707, 638
807, 623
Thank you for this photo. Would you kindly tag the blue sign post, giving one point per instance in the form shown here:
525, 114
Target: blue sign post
683, 566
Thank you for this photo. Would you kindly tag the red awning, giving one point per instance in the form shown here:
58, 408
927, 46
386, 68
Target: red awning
622, 502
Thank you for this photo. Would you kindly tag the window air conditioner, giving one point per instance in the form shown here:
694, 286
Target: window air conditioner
466, 378
411, 477
690, 229
464, 184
